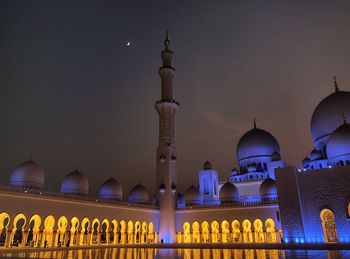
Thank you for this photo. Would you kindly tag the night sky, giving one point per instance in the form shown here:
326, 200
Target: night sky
74, 95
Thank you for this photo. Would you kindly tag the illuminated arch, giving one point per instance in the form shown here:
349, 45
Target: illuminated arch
19, 223
214, 231
34, 230
236, 231
225, 231
4, 223
258, 230
196, 232
137, 232
114, 228
105, 231
95, 231
329, 226
187, 232
84, 231
37, 222
144, 232
47, 238
151, 235
205, 231
270, 230
74, 231
247, 231
61, 236
122, 232
130, 232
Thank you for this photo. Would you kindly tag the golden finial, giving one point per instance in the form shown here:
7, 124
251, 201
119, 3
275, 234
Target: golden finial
335, 84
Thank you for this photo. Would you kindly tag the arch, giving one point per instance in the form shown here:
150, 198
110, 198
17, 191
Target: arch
236, 231
151, 235
214, 231
47, 236
130, 232
114, 229
137, 232
258, 231
105, 232
205, 231
271, 235
328, 226
247, 231
19, 223
95, 231
144, 232
4, 223
225, 231
122, 232
187, 232
84, 231
61, 235
195, 232
33, 230
74, 231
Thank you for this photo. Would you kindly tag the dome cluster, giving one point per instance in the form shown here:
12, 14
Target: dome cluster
330, 132
30, 176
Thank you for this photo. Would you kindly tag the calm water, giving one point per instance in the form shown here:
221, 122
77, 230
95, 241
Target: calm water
148, 253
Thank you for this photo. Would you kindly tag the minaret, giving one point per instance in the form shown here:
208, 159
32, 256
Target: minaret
166, 151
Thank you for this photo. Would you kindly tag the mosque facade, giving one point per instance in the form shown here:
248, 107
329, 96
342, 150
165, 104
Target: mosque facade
263, 200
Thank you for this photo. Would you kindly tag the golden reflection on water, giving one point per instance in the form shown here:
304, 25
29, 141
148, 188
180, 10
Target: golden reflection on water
150, 253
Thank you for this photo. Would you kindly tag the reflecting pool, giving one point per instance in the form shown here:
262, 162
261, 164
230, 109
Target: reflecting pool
149, 253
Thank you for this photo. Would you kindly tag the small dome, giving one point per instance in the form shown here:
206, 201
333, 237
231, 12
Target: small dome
325, 118
315, 155
275, 156
229, 193
251, 168
338, 145
207, 166
180, 201
193, 196
234, 172
306, 162
256, 146
139, 195
28, 175
111, 190
268, 189
75, 183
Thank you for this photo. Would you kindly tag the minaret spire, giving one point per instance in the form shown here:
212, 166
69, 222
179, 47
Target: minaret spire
254, 119
336, 88
166, 41
166, 152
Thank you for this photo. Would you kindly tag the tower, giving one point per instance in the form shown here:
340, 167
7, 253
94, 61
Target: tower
166, 151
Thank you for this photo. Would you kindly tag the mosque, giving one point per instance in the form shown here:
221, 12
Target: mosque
264, 200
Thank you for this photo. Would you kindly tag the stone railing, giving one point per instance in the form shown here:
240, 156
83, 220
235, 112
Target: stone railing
251, 200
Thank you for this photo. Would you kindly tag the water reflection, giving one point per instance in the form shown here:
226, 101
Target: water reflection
150, 253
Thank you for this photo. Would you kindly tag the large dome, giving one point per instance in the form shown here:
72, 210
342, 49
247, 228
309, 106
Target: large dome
338, 145
139, 195
28, 175
268, 189
256, 146
327, 116
193, 196
229, 193
75, 183
111, 190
